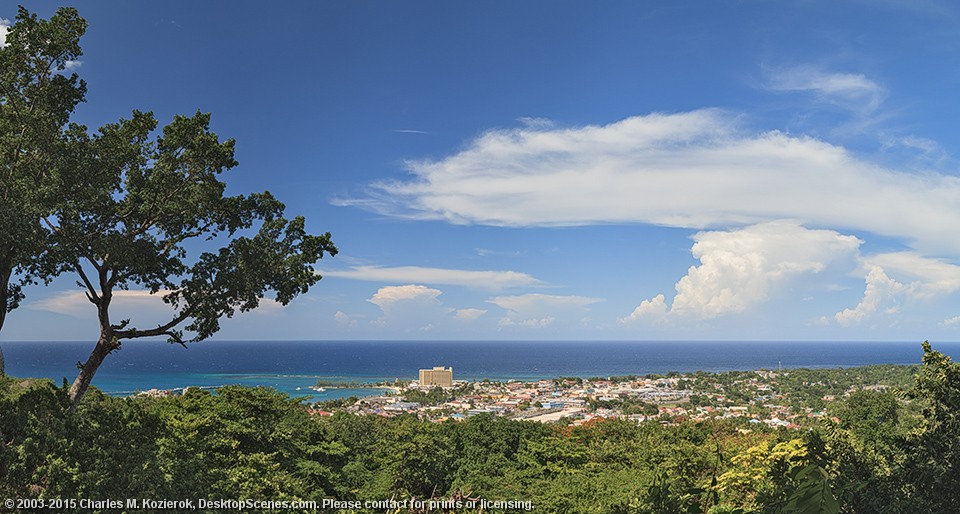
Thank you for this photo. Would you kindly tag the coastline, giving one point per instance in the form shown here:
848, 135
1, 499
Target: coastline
287, 365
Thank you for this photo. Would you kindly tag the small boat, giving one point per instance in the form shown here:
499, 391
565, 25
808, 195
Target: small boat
318, 389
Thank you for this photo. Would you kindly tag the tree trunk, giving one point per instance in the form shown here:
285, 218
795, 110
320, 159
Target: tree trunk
105, 345
6, 271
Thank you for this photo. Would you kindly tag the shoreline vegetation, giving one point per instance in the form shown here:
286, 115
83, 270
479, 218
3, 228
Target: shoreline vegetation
877, 438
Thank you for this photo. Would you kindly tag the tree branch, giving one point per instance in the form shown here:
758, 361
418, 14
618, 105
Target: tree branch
161, 330
91, 292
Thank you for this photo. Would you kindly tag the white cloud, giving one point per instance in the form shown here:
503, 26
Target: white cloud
535, 301
526, 323
695, 170
739, 268
540, 310
124, 304
469, 314
409, 307
892, 276
928, 149
140, 306
344, 320
489, 280
950, 322
4, 28
535, 122
415, 307
880, 289
925, 277
653, 309
850, 90
388, 297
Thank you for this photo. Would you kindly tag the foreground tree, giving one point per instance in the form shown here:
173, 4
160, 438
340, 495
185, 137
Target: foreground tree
37, 98
133, 210
929, 475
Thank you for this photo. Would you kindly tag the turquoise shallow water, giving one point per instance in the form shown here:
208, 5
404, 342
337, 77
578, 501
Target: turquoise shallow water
293, 385
289, 365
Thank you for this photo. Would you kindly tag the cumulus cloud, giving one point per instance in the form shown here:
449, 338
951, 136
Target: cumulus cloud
344, 320
540, 310
880, 289
739, 268
653, 309
489, 280
850, 90
389, 297
409, 307
951, 322
891, 277
925, 277
695, 169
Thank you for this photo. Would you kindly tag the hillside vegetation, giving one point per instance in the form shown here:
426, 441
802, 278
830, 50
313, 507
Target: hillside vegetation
890, 452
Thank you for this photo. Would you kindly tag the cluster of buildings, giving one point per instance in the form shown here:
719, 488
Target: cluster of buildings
576, 401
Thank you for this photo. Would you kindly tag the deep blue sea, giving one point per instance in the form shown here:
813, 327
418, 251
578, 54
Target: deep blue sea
294, 366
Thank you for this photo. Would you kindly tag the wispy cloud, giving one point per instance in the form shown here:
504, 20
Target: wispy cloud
409, 131
695, 169
536, 123
536, 310
488, 280
469, 314
849, 90
484, 252
75, 303
141, 306
169, 23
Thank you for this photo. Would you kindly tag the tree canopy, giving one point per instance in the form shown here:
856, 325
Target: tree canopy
129, 207
135, 212
37, 97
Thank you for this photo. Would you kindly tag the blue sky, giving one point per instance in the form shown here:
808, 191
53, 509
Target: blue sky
558, 170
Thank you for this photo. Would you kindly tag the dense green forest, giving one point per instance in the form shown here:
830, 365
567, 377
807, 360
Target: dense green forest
892, 451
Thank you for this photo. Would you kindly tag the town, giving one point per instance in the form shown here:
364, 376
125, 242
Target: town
790, 399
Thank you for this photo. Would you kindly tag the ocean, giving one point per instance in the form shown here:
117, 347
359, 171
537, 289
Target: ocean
294, 366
